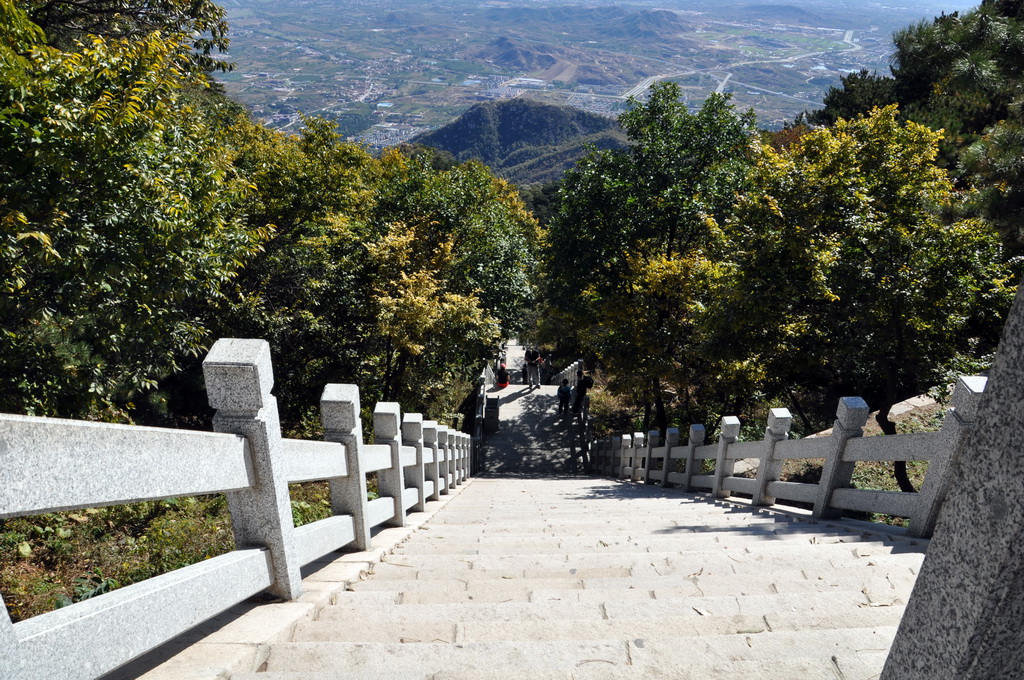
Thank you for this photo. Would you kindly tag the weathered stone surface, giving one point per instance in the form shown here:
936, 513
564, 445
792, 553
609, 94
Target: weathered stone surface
261, 515
964, 618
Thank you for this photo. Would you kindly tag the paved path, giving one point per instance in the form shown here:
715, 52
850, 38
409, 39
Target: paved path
566, 578
532, 438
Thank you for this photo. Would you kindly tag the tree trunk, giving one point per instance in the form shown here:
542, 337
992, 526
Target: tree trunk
899, 467
799, 411
660, 417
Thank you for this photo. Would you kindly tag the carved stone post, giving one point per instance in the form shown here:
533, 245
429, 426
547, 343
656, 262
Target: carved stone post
626, 459
386, 418
653, 438
671, 441
956, 428
850, 418
445, 479
696, 438
239, 377
339, 413
453, 457
769, 469
463, 443
430, 449
730, 430
412, 435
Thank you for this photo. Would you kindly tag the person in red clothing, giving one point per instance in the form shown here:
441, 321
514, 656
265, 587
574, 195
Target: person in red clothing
501, 379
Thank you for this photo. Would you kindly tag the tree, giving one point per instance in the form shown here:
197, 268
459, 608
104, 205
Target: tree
119, 217
961, 73
845, 252
632, 246
68, 23
859, 92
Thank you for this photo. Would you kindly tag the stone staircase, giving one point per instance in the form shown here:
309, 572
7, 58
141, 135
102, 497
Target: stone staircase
570, 577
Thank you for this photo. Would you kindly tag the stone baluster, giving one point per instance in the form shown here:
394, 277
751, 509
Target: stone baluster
956, 427
729, 431
850, 418
442, 458
653, 439
453, 458
639, 448
671, 441
459, 453
239, 377
625, 455
412, 435
769, 469
430, 449
386, 430
698, 433
339, 413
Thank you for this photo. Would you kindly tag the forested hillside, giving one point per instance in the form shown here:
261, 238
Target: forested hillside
962, 73
525, 142
144, 215
713, 270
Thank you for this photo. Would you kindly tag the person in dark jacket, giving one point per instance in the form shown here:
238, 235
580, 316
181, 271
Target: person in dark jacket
564, 396
583, 383
501, 378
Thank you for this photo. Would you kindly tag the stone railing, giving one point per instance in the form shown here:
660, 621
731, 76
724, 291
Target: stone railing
568, 373
646, 459
51, 465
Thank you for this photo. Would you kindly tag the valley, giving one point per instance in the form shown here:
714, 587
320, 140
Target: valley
386, 71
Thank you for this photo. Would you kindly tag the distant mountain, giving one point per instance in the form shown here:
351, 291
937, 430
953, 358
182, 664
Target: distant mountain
503, 52
784, 14
524, 141
594, 22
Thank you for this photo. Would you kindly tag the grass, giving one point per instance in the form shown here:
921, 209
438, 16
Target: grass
53, 560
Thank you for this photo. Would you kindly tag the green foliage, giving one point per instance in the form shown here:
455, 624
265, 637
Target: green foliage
961, 73
846, 269
119, 217
70, 22
633, 246
72, 556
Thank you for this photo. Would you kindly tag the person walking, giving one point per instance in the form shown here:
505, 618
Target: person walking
533, 367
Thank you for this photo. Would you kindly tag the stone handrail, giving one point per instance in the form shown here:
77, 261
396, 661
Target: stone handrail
50, 465
568, 373
644, 458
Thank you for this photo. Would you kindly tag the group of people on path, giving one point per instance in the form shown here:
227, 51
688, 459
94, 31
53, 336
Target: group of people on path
531, 376
531, 370
575, 395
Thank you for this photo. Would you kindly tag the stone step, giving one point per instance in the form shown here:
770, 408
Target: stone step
612, 543
813, 562
354, 629
836, 603
626, 526
847, 653
650, 577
